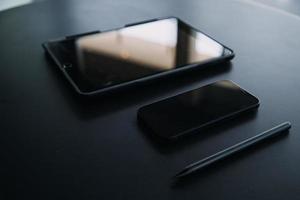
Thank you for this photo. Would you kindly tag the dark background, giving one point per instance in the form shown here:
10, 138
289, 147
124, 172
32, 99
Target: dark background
57, 146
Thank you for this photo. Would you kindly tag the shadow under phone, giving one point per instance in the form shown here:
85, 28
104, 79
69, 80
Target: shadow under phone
168, 147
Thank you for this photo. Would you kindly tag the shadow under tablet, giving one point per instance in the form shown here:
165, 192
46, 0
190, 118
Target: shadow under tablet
90, 108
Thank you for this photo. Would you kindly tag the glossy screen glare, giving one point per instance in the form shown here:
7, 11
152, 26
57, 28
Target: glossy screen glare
138, 51
189, 111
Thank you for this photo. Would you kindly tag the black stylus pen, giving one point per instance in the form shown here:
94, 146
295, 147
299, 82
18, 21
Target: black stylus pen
281, 128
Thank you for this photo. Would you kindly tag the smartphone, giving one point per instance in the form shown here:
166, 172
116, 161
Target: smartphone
191, 111
98, 62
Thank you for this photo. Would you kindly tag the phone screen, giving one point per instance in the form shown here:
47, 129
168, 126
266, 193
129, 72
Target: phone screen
195, 109
118, 56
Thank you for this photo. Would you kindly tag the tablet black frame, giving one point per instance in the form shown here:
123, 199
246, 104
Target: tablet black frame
228, 55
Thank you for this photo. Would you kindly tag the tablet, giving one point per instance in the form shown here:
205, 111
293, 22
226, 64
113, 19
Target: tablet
98, 62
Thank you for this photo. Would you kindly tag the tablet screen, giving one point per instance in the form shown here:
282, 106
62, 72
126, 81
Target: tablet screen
137, 51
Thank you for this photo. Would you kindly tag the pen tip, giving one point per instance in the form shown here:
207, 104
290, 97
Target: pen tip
181, 174
176, 177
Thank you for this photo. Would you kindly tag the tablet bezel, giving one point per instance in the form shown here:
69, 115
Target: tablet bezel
228, 55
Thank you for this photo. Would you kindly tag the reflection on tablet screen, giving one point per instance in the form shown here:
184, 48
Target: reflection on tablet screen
137, 51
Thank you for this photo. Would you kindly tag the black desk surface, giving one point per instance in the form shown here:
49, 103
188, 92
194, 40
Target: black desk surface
55, 146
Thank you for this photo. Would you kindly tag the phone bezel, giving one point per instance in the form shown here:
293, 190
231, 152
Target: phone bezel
202, 126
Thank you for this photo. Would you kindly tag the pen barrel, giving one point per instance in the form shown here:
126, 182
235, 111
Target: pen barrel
235, 149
